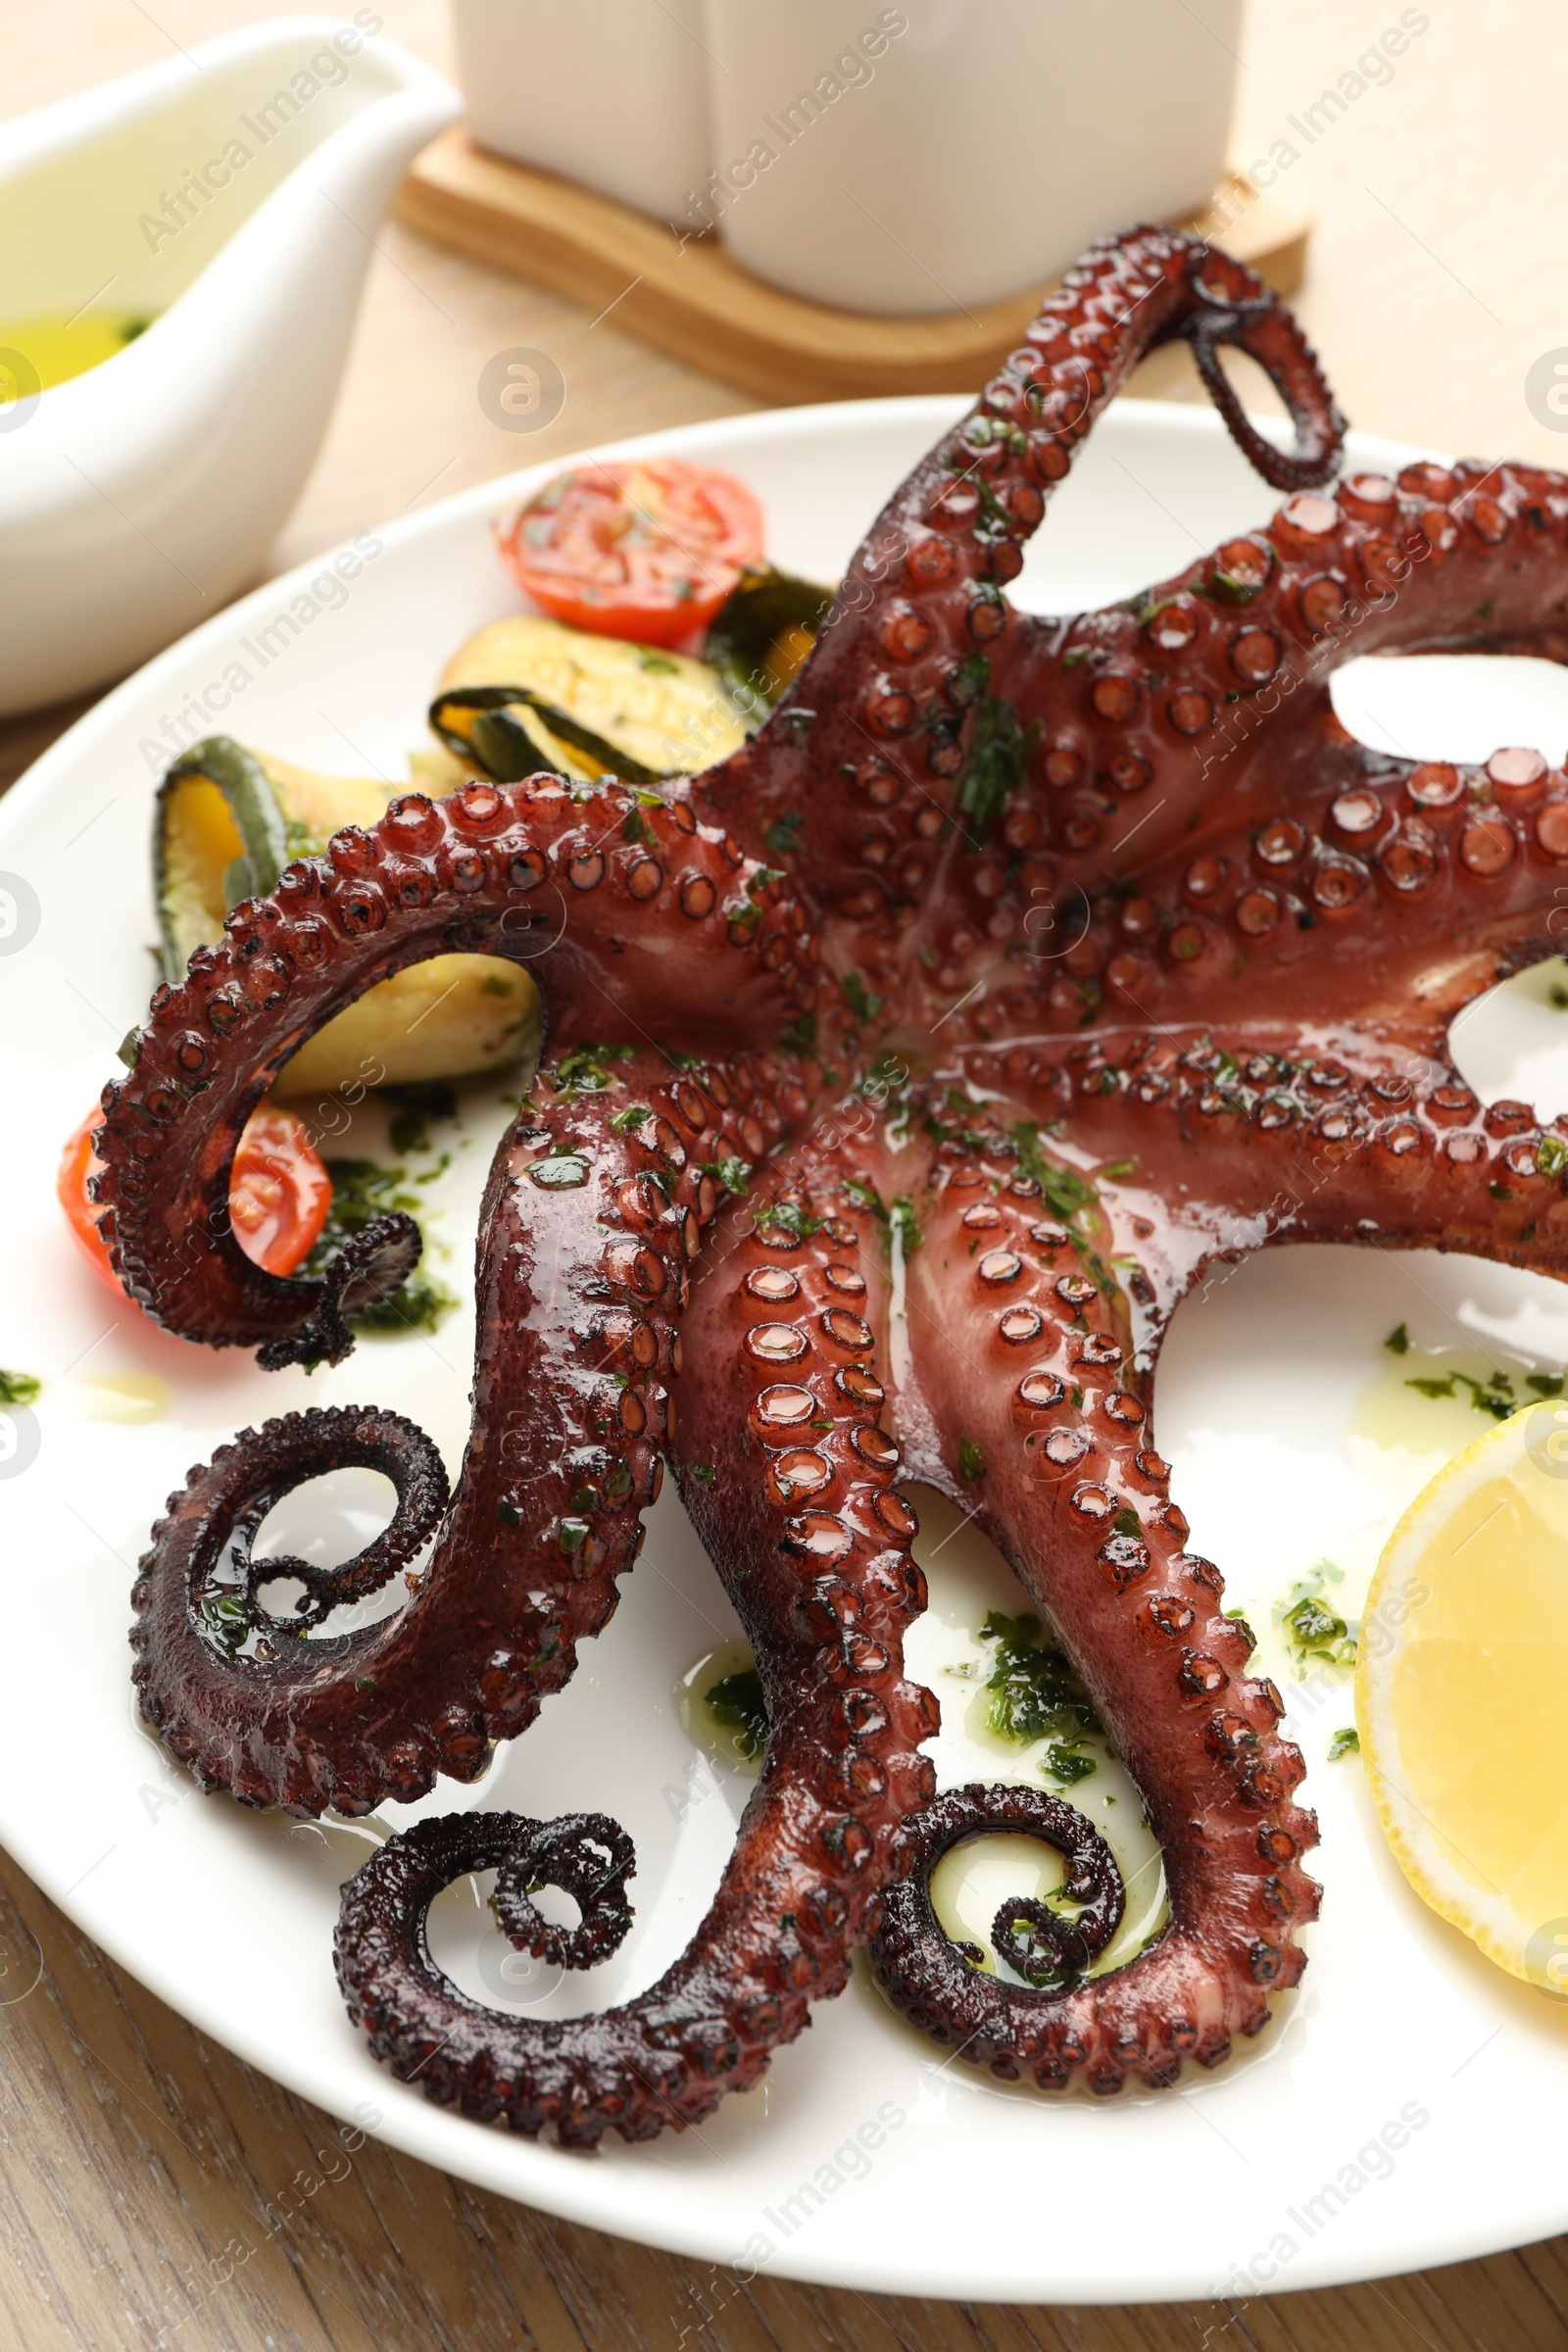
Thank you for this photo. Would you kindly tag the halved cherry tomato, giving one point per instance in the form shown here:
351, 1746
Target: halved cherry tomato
646, 548
278, 1193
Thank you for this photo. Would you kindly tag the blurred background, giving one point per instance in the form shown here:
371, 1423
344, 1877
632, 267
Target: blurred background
1434, 187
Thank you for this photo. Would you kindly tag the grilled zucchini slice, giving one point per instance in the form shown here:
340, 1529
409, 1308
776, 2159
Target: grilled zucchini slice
611, 706
228, 823
761, 635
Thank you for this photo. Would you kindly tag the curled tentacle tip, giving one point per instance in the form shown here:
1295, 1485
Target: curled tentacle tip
369, 1267
938, 1978
1038, 1944
587, 1857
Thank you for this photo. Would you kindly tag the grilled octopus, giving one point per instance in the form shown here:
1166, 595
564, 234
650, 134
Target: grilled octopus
1017, 966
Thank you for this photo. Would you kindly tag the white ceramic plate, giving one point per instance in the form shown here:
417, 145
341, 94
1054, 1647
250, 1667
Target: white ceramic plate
1270, 2172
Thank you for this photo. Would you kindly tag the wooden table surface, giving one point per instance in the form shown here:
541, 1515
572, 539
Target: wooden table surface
133, 2151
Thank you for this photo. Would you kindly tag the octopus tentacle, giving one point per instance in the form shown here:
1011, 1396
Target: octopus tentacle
1254, 323
516, 870
1385, 897
1228, 657
1173, 732
1041, 1423
901, 693
911, 1947
248, 1478
589, 1857
1276, 1147
593, 1214
787, 1470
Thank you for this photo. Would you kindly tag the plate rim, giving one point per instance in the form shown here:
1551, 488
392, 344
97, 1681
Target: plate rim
566, 2187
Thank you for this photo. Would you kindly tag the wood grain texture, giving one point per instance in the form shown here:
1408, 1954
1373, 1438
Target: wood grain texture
155, 2192
137, 2159
685, 295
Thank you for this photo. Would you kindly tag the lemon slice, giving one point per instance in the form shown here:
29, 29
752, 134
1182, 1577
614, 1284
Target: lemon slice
1461, 1693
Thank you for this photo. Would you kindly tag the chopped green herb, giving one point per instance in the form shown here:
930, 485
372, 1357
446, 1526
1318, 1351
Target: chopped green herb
658, 665
416, 1107
800, 1038
1035, 1694
227, 1618
971, 1461
1345, 1742
19, 1388
903, 1221
1066, 1765
970, 679
1551, 1155
1493, 1395
782, 836
1316, 1633
863, 1002
562, 1170
737, 1702
1067, 1194
621, 1122
585, 1070
789, 1217
1310, 1627
1397, 1341
998, 758
732, 1174
704, 1473
362, 1190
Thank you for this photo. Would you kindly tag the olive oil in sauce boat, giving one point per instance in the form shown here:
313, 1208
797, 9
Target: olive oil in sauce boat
181, 253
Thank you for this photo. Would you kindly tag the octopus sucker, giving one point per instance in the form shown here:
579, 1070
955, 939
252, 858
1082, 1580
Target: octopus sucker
1011, 974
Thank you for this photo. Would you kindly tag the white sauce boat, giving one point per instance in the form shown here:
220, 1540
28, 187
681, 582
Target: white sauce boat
231, 195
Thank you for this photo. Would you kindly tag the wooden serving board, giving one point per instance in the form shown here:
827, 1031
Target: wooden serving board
693, 301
